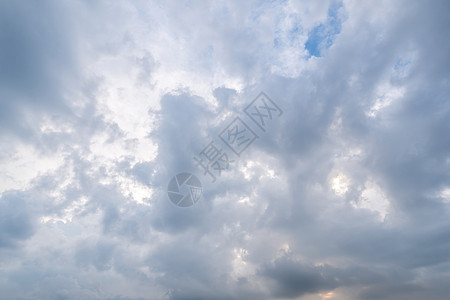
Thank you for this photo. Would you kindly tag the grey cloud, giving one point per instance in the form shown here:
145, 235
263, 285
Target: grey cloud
36, 63
96, 253
17, 220
294, 280
228, 245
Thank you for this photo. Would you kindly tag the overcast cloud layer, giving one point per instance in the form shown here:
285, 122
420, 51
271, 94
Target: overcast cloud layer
345, 196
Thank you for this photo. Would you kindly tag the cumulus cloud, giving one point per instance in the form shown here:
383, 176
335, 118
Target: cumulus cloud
345, 195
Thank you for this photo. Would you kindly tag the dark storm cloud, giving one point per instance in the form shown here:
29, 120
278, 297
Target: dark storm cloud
294, 279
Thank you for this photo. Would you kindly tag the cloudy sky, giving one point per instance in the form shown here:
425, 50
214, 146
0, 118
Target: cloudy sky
345, 195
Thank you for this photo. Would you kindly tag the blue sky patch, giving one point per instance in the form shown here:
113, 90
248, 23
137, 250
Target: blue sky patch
322, 36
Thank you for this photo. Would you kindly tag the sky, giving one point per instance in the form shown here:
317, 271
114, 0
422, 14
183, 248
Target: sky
342, 194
